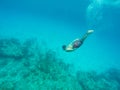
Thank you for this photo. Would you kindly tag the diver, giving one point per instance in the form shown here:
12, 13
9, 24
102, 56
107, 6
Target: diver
75, 44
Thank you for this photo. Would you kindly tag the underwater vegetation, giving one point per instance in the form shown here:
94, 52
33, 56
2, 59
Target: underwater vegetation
29, 66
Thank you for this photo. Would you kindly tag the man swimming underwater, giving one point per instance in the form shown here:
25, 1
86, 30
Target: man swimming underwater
75, 44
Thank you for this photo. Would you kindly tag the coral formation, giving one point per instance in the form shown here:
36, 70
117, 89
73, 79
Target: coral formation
10, 48
24, 66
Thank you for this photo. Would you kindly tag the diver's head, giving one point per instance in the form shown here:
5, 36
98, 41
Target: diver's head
64, 47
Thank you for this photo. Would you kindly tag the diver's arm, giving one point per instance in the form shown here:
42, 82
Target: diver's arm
69, 48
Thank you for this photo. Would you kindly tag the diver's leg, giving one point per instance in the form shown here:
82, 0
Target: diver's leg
86, 35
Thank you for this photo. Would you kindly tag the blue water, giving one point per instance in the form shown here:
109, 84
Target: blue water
59, 22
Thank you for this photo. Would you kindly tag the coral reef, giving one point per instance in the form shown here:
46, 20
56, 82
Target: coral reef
10, 48
24, 66
93, 81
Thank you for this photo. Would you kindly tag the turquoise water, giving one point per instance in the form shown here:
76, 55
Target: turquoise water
55, 23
